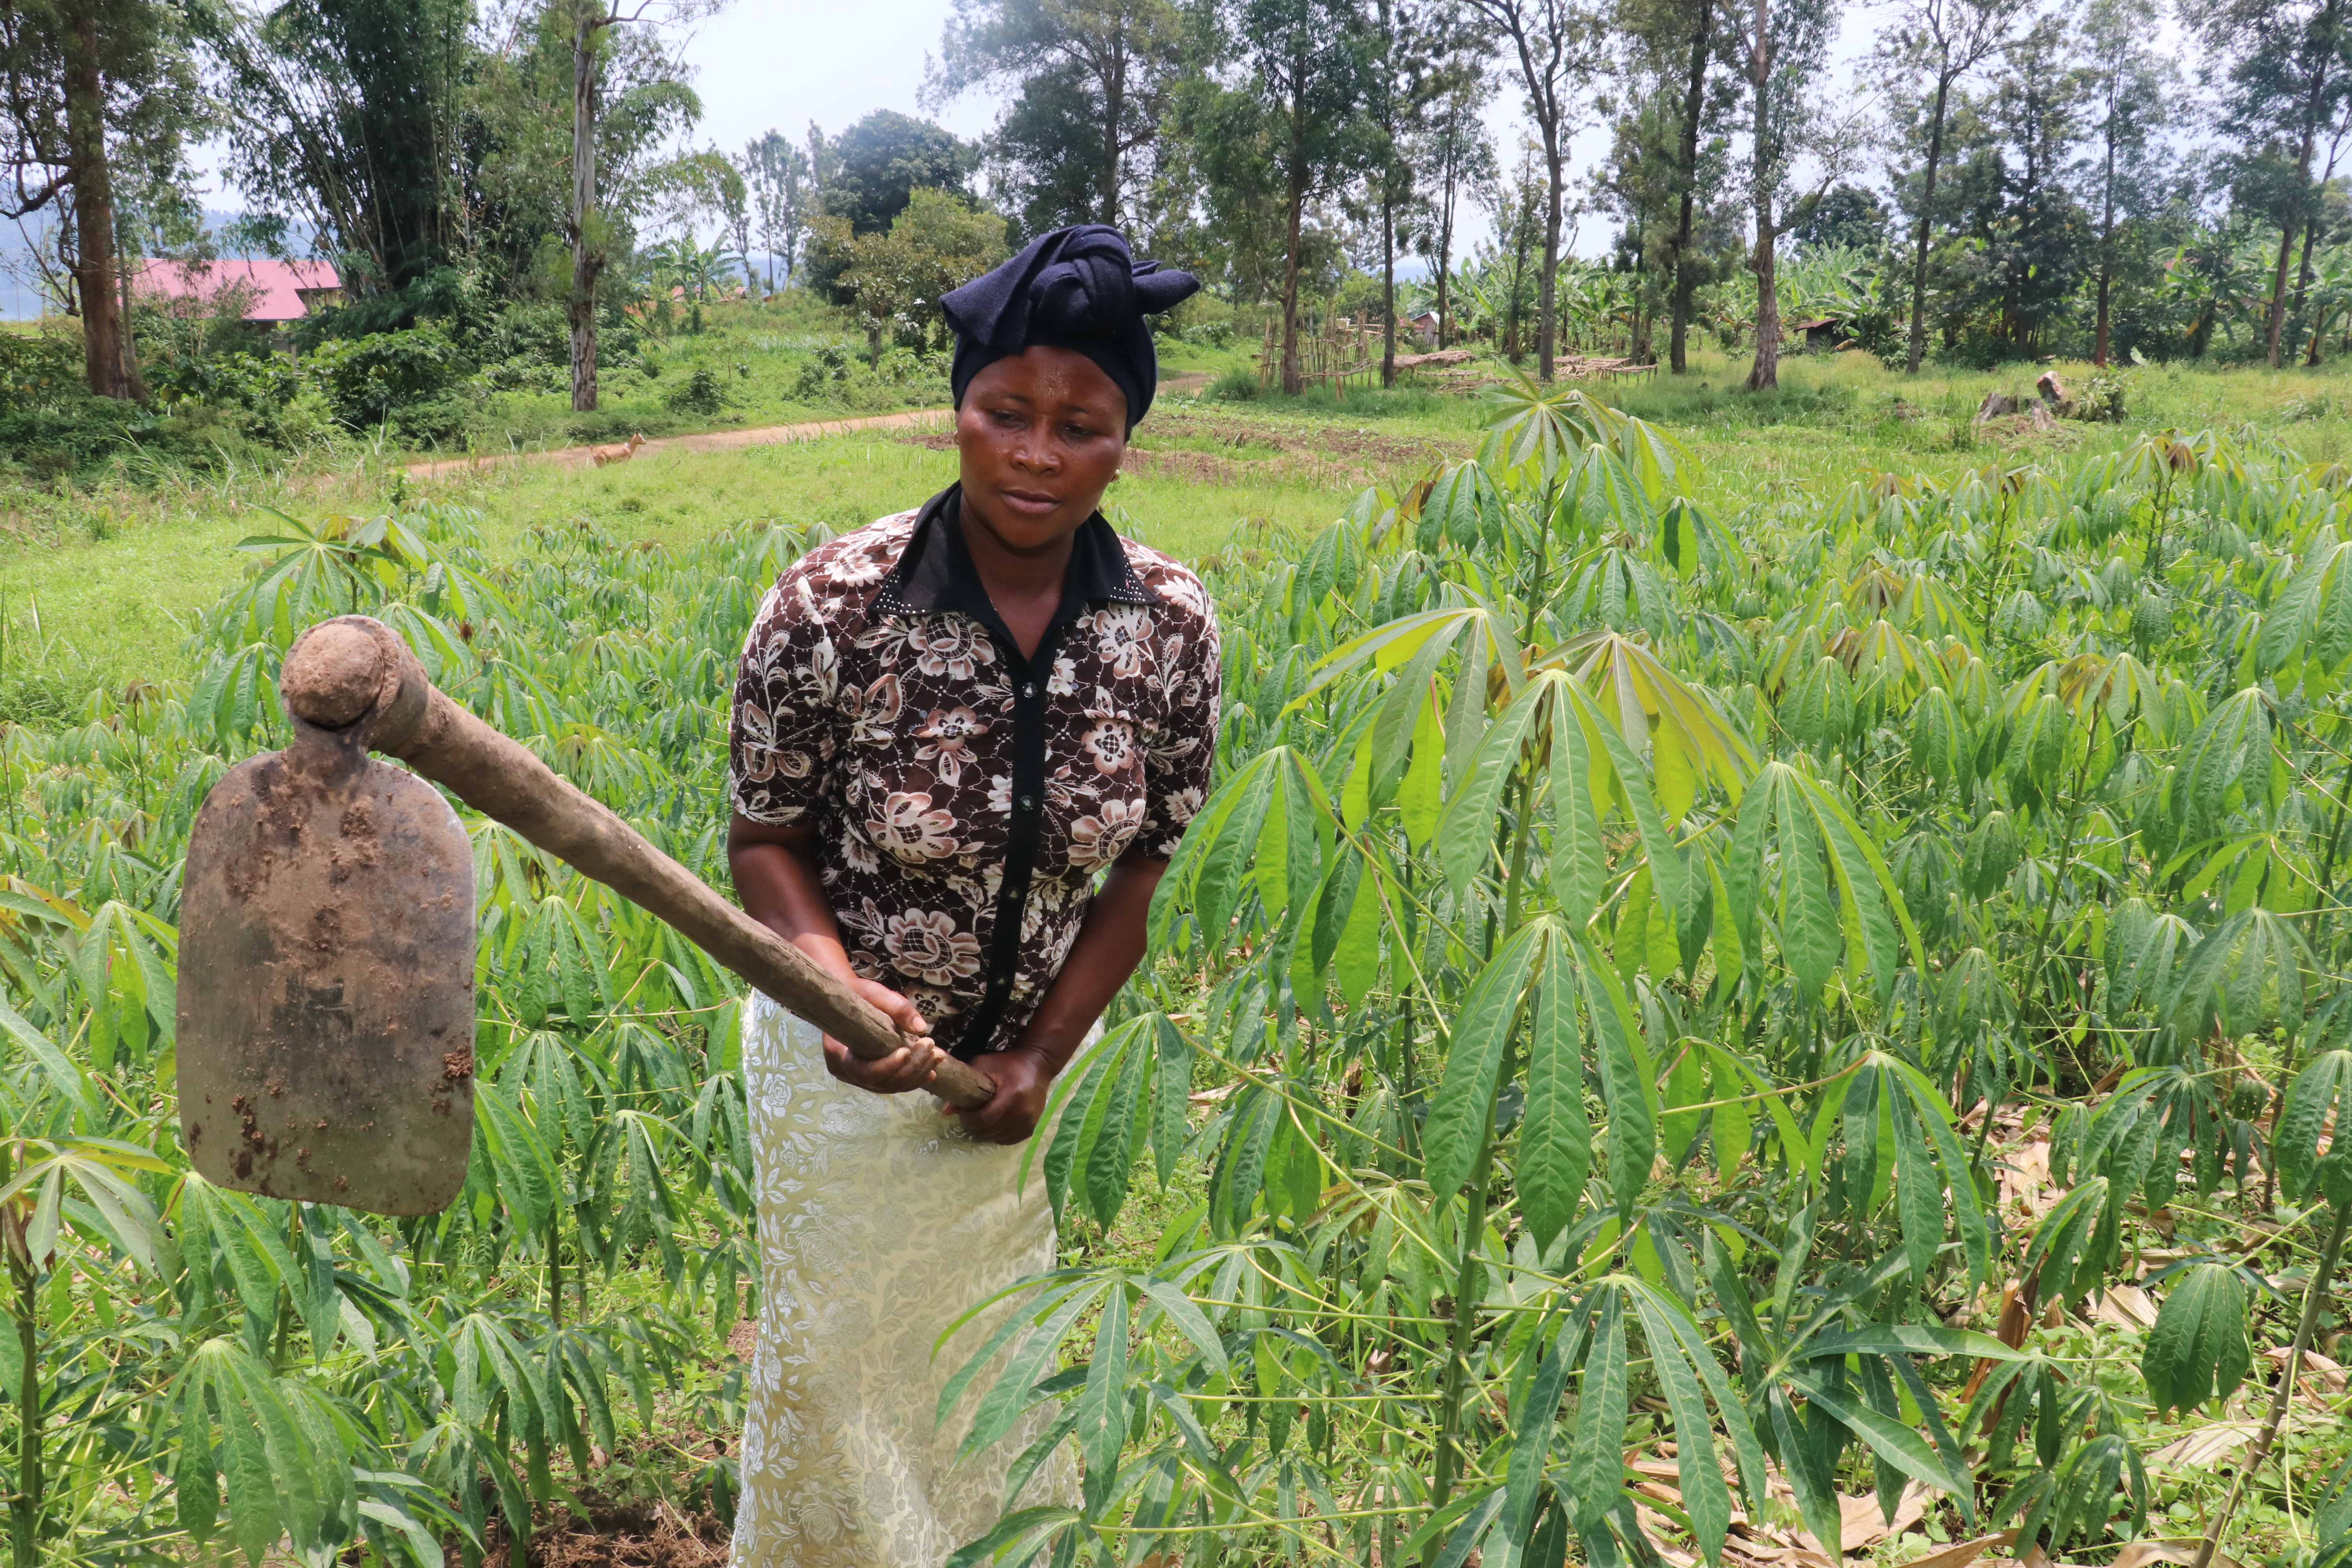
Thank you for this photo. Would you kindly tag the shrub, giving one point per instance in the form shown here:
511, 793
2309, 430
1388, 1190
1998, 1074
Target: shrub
826, 368
368, 380
73, 433
435, 422
907, 367
37, 372
1235, 387
700, 394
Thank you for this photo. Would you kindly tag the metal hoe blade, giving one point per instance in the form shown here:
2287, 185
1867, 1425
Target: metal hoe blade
325, 998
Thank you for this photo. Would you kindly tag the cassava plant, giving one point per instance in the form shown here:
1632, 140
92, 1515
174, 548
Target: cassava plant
1643, 957
186, 1366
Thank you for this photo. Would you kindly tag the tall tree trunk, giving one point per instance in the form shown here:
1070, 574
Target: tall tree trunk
2321, 57
1685, 276
106, 362
1514, 345
1918, 348
2106, 231
1388, 285
1114, 118
1764, 374
1445, 250
2302, 268
1444, 304
2277, 312
1547, 286
1291, 383
587, 250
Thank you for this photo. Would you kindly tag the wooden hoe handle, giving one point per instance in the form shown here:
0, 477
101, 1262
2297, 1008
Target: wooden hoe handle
354, 670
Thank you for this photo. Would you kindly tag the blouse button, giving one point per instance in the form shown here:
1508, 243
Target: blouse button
1028, 689
1028, 803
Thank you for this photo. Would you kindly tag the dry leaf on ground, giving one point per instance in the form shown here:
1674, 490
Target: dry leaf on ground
1863, 1523
2140, 1553
2126, 1306
1960, 1553
2204, 1446
2025, 1186
2317, 1370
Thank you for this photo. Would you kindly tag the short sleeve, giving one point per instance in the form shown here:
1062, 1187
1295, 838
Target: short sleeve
784, 731
1181, 758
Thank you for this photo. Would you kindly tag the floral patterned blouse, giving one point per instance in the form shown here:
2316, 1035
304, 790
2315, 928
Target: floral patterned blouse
965, 798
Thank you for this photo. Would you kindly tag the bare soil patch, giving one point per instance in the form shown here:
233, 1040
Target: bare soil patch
615, 1534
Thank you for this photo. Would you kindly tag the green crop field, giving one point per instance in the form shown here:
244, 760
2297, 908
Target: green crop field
1762, 976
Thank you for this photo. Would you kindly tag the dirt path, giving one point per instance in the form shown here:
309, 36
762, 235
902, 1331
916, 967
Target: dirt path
708, 441
730, 440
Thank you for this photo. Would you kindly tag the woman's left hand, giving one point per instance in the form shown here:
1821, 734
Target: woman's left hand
1023, 1078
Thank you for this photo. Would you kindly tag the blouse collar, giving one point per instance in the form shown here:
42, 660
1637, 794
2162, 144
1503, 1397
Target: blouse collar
935, 571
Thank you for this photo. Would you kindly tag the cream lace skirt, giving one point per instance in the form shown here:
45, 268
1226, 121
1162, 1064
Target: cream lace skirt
879, 1224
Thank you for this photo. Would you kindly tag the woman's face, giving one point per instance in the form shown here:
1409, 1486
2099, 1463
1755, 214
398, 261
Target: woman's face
1041, 434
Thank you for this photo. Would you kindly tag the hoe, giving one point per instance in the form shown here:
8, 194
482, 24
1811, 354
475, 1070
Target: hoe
325, 1000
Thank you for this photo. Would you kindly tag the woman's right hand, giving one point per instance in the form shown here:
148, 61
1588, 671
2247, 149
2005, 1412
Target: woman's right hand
776, 876
912, 1066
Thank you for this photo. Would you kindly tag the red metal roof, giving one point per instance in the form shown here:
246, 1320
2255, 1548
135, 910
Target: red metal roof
275, 286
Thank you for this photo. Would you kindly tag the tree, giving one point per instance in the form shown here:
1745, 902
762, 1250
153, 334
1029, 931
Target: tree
1515, 209
1846, 218
1450, 153
518, 154
1552, 40
1295, 128
590, 231
2326, 211
882, 159
94, 90
1401, 80
735, 213
1941, 41
782, 197
1786, 49
2287, 76
939, 240
1642, 104
2130, 86
1091, 81
1680, 41
349, 117
2039, 244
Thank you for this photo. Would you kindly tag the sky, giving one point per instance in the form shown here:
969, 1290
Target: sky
775, 65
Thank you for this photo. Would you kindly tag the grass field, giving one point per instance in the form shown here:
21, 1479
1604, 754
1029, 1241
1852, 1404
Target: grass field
101, 588
98, 588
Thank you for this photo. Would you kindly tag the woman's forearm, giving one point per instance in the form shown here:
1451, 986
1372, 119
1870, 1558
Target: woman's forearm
1108, 946
776, 881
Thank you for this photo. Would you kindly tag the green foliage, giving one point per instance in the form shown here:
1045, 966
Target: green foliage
239, 1371
404, 378
37, 372
878, 163
893, 280
700, 393
1612, 914
1598, 1004
2198, 1349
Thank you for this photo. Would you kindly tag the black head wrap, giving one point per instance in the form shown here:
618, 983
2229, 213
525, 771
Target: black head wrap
1078, 288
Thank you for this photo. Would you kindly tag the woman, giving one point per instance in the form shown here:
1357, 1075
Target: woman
966, 740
